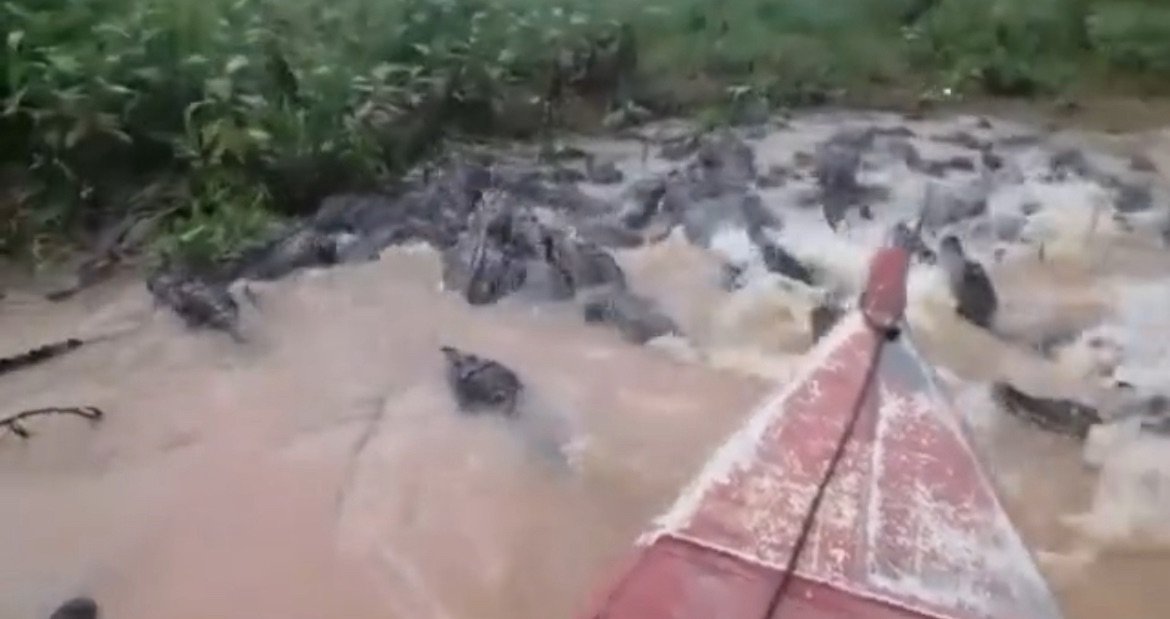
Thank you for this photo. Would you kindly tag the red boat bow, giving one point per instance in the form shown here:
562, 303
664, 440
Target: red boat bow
853, 493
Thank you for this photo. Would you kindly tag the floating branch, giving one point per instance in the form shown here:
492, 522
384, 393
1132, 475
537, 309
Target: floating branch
39, 354
15, 423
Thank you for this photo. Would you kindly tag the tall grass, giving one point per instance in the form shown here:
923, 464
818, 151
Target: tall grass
223, 116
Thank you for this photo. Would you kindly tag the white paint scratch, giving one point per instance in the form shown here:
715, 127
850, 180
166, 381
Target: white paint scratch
955, 547
740, 450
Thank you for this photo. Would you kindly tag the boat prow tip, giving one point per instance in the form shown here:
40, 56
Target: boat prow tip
846, 494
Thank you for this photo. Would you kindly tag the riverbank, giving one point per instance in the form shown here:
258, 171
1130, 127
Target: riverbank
187, 131
435, 515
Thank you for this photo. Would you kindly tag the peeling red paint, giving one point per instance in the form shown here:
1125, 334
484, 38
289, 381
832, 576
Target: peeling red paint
909, 525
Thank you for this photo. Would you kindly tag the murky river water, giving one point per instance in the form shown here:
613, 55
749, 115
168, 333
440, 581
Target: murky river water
321, 469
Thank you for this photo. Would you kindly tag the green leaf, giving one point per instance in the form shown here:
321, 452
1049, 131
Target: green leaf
75, 135
14, 39
64, 63
192, 233
386, 69
235, 64
219, 87
18, 11
119, 135
192, 109
211, 132
148, 74
255, 35
738, 90
259, 135
13, 102
111, 29
253, 101
117, 89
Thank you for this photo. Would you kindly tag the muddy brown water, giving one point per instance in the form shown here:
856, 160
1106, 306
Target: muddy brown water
321, 469
227, 481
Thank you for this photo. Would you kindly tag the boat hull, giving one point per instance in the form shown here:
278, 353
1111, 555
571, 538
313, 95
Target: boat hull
851, 493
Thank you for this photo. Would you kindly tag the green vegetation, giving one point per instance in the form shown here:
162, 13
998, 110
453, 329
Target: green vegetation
215, 119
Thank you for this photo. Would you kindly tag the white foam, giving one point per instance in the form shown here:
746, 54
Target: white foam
751, 328
734, 245
1131, 503
1143, 326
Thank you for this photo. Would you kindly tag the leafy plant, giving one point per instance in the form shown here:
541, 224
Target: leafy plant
263, 107
1006, 47
1132, 36
217, 223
